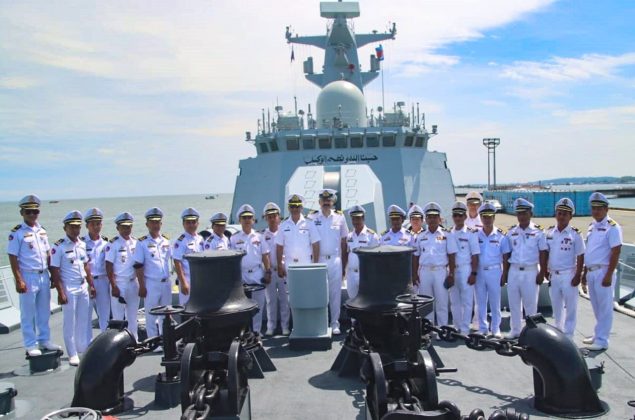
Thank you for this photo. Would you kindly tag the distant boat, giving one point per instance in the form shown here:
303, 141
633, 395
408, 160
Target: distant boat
54, 201
211, 197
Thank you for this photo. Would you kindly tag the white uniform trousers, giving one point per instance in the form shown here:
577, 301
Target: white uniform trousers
277, 298
256, 320
431, 279
129, 290
35, 308
522, 292
352, 283
75, 314
462, 298
488, 290
334, 275
564, 300
183, 299
101, 304
602, 304
158, 294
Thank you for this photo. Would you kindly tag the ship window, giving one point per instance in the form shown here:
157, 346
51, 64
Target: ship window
340, 142
263, 148
274, 146
372, 141
419, 142
409, 141
293, 144
324, 142
357, 142
388, 141
308, 143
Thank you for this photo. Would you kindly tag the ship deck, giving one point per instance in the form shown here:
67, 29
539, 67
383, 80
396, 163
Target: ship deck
304, 387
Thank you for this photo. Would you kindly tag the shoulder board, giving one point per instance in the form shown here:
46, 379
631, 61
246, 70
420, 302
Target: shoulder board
132, 237
338, 211
261, 230
512, 226
551, 227
15, 229
165, 236
612, 222
180, 238
537, 226
59, 241
409, 229
575, 229
285, 218
370, 230
500, 230
469, 229
143, 238
113, 239
83, 238
384, 232
313, 212
104, 237
443, 228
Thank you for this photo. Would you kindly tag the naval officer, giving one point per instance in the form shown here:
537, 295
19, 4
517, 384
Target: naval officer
467, 256
152, 266
95, 246
474, 201
276, 291
434, 263
217, 240
187, 243
332, 228
526, 267
415, 215
489, 279
397, 234
70, 270
360, 237
28, 251
566, 260
603, 246
255, 266
124, 286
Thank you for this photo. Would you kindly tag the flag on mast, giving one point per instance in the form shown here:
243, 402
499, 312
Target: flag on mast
379, 51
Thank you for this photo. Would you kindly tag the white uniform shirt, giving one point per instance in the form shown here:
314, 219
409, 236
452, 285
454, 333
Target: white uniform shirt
154, 254
433, 247
564, 247
96, 255
474, 222
270, 239
297, 238
332, 230
401, 237
367, 238
187, 244
492, 247
120, 253
254, 246
466, 241
600, 238
30, 245
70, 258
526, 244
215, 242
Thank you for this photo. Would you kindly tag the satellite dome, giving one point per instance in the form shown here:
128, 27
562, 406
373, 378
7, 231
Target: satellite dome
341, 102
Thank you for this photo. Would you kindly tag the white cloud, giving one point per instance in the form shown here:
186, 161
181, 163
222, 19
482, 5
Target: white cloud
610, 118
18, 82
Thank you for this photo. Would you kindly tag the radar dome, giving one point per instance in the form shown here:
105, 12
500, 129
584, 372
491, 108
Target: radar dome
341, 102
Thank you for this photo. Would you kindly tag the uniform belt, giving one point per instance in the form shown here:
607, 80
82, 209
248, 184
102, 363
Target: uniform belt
295, 260
523, 267
160, 280
490, 267
434, 267
253, 269
595, 267
463, 265
328, 257
34, 271
563, 271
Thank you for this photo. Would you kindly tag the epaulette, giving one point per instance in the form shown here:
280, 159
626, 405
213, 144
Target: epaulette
285, 218
612, 222
313, 211
165, 236
385, 232
500, 230
262, 230
537, 226
180, 238
551, 227
59, 241
469, 229
104, 237
143, 238
83, 238
338, 211
370, 230
575, 228
113, 239
15, 229
443, 228
512, 226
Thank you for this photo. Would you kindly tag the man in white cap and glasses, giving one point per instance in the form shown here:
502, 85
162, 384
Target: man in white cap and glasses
255, 265
462, 293
396, 234
124, 286
415, 215
28, 250
566, 260
187, 243
71, 274
276, 291
332, 227
152, 266
217, 240
434, 263
526, 267
603, 246
95, 247
360, 237
474, 200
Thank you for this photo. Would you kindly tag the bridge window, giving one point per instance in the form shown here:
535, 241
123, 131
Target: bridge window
324, 142
308, 143
409, 141
419, 142
273, 145
293, 144
264, 148
340, 142
388, 141
357, 141
372, 141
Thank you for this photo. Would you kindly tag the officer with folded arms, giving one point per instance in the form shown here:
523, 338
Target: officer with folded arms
360, 237
28, 251
187, 243
95, 247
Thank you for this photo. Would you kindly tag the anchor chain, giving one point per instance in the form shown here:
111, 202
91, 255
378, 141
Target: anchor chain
200, 409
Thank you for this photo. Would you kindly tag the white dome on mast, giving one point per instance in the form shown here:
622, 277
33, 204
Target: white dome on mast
340, 104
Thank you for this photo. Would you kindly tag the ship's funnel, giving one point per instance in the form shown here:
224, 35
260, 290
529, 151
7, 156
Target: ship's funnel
341, 104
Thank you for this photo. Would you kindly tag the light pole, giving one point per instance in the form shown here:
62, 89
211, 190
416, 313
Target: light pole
491, 144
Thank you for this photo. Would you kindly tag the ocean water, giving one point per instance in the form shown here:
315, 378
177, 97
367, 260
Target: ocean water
51, 214
625, 203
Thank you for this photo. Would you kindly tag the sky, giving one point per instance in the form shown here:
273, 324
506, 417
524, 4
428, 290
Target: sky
126, 98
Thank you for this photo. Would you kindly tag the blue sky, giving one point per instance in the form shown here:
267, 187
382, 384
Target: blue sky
142, 98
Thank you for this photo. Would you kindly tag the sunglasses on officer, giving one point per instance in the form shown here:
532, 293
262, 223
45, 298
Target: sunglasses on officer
459, 214
31, 211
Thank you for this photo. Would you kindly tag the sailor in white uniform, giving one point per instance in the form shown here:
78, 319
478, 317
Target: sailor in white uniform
276, 291
397, 234
434, 263
95, 247
415, 215
360, 237
566, 260
462, 293
217, 240
473, 221
70, 269
187, 243
527, 265
152, 266
28, 250
124, 286
255, 265
489, 279
603, 246
332, 228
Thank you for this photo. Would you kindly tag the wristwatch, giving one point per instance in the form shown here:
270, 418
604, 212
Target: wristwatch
473, 273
